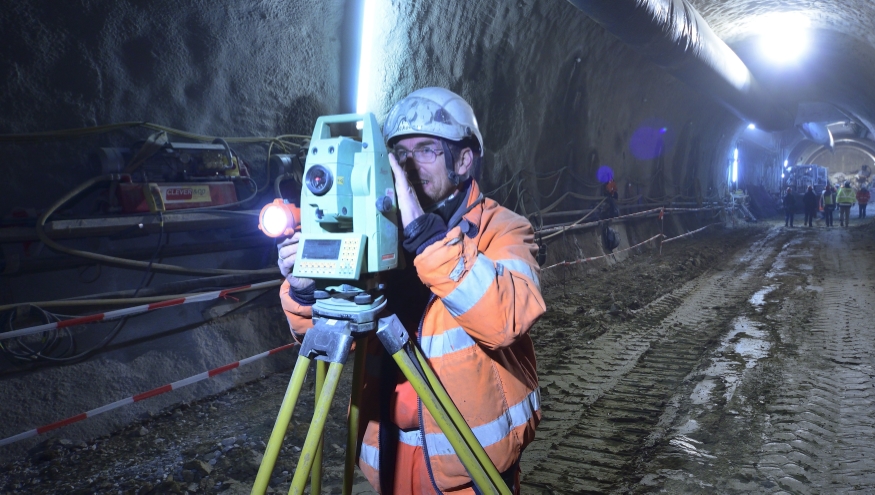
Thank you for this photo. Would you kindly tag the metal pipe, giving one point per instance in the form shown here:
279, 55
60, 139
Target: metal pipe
675, 37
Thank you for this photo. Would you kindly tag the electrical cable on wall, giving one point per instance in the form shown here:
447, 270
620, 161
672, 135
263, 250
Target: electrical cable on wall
60, 345
45, 353
150, 147
49, 330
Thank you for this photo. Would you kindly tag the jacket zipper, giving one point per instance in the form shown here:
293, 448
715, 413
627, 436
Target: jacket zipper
419, 403
419, 342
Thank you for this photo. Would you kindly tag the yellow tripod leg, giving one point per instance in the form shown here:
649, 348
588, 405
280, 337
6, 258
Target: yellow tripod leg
459, 423
430, 401
358, 375
279, 428
317, 426
316, 471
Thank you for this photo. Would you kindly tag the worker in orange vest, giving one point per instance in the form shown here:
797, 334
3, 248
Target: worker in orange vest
470, 293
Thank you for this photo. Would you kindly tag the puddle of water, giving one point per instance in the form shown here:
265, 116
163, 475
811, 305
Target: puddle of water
753, 349
806, 267
779, 267
702, 393
688, 427
815, 288
690, 446
739, 350
759, 298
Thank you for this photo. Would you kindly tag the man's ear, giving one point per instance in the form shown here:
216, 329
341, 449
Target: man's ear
465, 162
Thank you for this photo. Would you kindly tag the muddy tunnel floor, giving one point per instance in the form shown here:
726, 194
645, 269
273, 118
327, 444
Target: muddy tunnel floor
740, 361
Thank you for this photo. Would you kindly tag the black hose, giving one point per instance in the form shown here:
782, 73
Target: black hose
50, 338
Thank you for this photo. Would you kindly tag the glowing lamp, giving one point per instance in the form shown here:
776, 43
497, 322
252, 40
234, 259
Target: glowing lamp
279, 219
784, 36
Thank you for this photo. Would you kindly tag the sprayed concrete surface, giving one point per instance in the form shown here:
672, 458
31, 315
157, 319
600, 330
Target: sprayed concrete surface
741, 362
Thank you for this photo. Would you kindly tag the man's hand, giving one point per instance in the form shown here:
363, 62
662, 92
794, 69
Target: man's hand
288, 252
408, 203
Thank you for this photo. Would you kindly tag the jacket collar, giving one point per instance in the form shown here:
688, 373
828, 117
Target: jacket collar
471, 210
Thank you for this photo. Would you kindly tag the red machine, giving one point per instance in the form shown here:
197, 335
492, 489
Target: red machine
152, 196
174, 176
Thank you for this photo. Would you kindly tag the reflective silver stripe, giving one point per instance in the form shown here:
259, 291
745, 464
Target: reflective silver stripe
472, 288
412, 438
370, 456
521, 267
454, 339
494, 431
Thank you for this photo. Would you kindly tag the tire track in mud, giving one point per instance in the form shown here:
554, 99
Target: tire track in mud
801, 420
607, 397
824, 421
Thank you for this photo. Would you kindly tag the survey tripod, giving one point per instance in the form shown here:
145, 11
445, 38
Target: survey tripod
342, 315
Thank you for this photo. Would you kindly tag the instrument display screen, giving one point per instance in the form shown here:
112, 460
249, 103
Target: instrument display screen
321, 249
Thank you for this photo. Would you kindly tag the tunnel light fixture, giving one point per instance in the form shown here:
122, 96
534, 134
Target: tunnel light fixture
735, 166
783, 36
751, 126
365, 58
785, 163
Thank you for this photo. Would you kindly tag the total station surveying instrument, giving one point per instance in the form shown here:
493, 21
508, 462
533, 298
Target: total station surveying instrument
348, 219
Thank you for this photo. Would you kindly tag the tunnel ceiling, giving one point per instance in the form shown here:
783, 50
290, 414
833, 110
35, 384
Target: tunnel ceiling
838, 68
732, 19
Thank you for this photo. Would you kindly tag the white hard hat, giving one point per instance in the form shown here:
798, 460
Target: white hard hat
434, 112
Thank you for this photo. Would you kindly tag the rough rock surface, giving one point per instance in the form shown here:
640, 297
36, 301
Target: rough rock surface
557, 97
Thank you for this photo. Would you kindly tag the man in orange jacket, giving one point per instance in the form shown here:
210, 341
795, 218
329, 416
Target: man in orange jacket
470, 296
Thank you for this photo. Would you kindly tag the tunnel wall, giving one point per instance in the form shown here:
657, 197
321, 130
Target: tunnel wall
258, 68
556, 96
554, 92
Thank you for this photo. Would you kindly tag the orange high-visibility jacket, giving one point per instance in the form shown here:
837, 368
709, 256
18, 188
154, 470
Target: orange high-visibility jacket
475, 336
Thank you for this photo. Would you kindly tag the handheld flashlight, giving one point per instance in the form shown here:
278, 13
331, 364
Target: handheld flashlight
279, 219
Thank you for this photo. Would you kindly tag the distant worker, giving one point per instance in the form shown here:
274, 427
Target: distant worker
845, 199
611, 201
469, 294
809, 204
828, 203
862, 201
789, 207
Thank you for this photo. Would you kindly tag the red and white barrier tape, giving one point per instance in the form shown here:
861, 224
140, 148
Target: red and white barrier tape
549, 232
121, 313
690, 233
687, 234
576, 226
585, 260
145, 395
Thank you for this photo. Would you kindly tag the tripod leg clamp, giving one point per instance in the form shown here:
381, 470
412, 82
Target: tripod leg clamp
328, 340
392, 334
